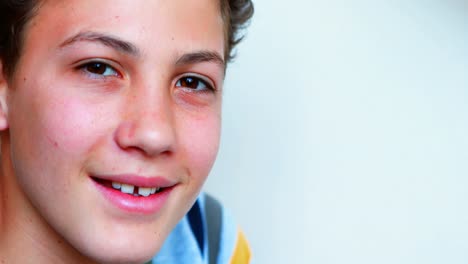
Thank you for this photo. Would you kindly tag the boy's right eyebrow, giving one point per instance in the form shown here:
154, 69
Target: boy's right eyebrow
105, 39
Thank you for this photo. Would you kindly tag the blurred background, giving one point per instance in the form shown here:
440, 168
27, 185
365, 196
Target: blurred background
345, 135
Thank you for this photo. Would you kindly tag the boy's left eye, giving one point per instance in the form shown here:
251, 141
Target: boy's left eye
193, 82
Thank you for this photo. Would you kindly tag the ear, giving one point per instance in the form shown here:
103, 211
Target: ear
3, 99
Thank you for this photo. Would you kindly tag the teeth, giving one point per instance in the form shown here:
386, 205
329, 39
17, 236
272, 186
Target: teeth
144, 191
126, 188
116, 185
130, 189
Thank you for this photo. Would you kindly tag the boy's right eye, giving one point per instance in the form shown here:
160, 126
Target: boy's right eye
99, 69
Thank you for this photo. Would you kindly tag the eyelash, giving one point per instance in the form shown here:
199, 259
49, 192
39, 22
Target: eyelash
93, 69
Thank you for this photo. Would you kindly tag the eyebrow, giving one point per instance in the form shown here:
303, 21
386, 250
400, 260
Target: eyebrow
107, 40
201, 56
131, 49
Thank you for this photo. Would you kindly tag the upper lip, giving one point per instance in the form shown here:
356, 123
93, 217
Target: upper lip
137, 180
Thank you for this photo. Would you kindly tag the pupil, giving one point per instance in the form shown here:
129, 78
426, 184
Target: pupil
189, 82
97, 68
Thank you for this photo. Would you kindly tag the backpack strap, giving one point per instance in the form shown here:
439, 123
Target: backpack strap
213, 214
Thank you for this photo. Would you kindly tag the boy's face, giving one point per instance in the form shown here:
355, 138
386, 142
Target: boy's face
113, 92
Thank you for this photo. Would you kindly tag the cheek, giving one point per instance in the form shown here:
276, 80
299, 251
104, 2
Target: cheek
200, 139
70, 125
52, 126
50, 135
63, 132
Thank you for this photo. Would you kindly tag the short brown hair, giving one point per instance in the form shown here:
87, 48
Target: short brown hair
15, 15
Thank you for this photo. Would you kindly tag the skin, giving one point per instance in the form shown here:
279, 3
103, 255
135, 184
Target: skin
62, 121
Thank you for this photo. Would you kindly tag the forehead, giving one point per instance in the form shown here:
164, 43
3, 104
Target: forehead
152, 25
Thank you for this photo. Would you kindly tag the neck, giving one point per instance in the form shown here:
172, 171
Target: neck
24, 233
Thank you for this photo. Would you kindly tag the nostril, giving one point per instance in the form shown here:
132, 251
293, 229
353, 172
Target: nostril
166, 153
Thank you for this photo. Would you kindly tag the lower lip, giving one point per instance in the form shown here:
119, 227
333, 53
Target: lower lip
135, 204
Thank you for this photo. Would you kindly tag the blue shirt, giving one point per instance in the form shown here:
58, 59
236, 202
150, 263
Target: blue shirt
188, 242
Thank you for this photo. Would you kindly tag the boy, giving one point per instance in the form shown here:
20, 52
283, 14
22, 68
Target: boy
110, 120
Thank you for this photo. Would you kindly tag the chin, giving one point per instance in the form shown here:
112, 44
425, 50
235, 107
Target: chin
121, 250
124, 259
130, 255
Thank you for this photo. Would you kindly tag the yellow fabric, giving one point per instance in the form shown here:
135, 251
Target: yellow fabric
242, 250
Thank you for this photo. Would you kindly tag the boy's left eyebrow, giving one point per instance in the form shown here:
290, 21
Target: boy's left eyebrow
201, 56
104, 39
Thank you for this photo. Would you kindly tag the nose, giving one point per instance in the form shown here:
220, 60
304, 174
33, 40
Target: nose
147, 126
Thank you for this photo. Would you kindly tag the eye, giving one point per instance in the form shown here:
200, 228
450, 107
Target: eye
194, 83
99, 69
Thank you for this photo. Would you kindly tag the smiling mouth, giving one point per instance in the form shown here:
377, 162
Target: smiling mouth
132, 190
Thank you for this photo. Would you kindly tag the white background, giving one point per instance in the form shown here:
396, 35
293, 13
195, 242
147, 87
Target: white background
345, 135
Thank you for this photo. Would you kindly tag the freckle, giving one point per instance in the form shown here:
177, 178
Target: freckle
172, 38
